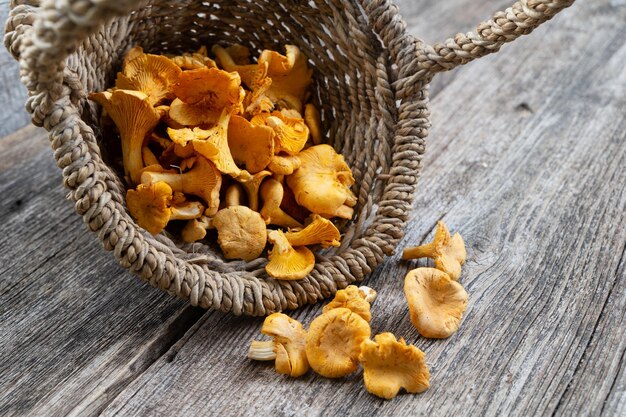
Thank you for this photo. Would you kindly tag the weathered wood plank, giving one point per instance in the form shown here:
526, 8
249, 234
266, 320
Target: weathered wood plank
527, 160
74, 326
12, 93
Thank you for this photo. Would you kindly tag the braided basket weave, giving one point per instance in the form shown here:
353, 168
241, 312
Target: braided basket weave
370, 80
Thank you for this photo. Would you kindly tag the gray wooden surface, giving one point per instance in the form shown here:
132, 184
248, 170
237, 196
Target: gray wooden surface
526, 159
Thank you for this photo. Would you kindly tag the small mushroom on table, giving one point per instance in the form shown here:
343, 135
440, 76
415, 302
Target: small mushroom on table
390, 364
355, 299
286, 347
447, 251
436, 302
333, 342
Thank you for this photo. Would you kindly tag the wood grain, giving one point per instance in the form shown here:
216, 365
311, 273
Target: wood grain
12, 93
74, 326
527, 161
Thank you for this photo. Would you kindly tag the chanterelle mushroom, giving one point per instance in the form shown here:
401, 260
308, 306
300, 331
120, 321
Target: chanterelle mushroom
272, 195
447, 251
195, 229
154, 75
333, 342
211, 143
250, 144
241, 232
355, 299
134, 117
290, 134
287, 262
287, 345
322, 183
252, 183
151, 206
436, 302
319, 231
284, 164
389, 365
203, 94
202, 180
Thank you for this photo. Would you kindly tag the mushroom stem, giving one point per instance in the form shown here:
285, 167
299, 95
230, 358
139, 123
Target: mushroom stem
234, 196
191, 210
262, 350
272, 194
423, 251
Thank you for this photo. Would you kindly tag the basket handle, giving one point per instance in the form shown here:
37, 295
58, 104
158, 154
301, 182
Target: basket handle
505, 26
58, 27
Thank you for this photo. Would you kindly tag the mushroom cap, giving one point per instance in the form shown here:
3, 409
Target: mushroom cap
247, 72
289, 340
287, 262
290, 134
353, 299
239, 54
210, 88
250, 144
389, 365
241, 232
333, 342
319, 231
436, 302
185, 114
149, 205
284, 165
288, 87
134, 117
322, 183
155, 75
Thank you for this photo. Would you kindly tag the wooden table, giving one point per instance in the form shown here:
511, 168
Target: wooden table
526, 158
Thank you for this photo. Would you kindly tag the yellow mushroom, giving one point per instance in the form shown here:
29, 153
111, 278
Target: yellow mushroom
390, 364
150, 205
135, 118
355, 299
154, 75
203, 94
313, 121
436, 302
286, 346
284, 164
252, 183
202, 179
447, 251
195, 229
250, 145
319, 231
239, 54
333, 342
211, 143
195, 60
241, 232
322, 183
272, 195
287, 262
290, 76
290, 134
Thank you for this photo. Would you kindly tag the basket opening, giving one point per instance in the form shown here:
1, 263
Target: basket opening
349, 63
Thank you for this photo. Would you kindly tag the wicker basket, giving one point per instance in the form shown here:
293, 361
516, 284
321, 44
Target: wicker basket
371, 80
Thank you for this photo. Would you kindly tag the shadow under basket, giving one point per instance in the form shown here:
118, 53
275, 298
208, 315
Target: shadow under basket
370, 82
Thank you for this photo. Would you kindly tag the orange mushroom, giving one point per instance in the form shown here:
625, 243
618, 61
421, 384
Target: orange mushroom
134, 117
287, 262
202, 179
250, 145
154, 75
150, 205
